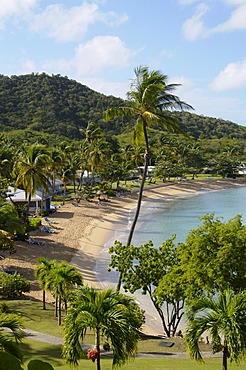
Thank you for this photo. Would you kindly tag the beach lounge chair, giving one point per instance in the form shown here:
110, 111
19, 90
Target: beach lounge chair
50, 221
10, 272
44, 228
33, 241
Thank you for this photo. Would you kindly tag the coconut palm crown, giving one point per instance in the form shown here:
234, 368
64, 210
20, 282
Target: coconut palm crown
224, 319
113, 317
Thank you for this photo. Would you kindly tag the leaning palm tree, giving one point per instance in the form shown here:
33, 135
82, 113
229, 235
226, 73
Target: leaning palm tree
11, 338
150, 102
224, 318
115, 319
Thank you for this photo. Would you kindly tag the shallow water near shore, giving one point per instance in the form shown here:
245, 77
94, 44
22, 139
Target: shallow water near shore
160, 219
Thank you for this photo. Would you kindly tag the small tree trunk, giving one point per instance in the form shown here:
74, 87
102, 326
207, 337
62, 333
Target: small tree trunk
44, 303
225, 356
56, 307
59, 310
98, 361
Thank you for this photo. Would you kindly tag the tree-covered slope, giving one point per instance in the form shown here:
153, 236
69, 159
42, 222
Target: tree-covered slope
60, 106
52, 104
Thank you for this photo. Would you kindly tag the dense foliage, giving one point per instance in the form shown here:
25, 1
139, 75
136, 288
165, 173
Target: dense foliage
56, 105
51, 104
13, 286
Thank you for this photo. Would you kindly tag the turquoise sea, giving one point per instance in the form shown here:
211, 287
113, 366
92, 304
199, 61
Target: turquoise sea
162, 218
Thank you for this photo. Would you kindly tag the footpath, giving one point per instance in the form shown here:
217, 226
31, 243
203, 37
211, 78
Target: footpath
51, 339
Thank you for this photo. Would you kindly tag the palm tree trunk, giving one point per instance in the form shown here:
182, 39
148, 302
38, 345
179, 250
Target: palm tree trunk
56, 307
44, 303
59, 310
98, 361
225, 356
134, 222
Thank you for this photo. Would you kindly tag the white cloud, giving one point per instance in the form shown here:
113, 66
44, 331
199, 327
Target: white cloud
17, 8
117, 89
207, 104
193, 27
99, 53
233, 76
236, 21
186, 2
72, 23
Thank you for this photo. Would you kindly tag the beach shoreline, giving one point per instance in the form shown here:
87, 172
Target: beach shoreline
83, 231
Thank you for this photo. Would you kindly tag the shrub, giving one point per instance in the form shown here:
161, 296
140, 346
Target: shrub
34, 224
13, 286
4, 307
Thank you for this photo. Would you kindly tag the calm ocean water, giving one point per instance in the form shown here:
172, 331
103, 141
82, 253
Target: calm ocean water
160, 219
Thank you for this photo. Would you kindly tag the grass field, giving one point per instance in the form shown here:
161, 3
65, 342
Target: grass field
52, 354
35, 318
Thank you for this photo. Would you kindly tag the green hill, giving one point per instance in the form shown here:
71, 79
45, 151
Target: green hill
60, 106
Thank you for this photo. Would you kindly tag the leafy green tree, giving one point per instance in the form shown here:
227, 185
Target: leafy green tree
12, 286
115, 319
143, 268
10, 340
213, 256
150, 101
224, 318
115, 169
10, 220
6, 241
193, 158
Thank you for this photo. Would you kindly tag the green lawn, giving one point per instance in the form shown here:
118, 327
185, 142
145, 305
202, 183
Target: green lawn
35, 318
52, 354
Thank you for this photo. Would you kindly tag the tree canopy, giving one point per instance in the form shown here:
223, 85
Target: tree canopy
60, 106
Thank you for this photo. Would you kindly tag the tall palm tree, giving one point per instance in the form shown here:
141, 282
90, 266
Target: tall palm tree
92, 133
150, 101
224, 318
30, 169
114, 318
57, 160
42, 273
10, 339
63, 278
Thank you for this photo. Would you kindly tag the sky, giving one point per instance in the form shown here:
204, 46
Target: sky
200, 45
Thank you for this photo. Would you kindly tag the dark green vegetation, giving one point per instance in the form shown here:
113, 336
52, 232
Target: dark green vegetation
211, 260
59, 106
51, 104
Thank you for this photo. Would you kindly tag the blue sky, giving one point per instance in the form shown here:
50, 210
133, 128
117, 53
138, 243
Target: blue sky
198, 44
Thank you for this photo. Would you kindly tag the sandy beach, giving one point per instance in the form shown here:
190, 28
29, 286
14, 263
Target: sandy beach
82, 231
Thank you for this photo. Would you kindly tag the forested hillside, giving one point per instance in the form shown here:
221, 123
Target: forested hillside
60, 106
52, 104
